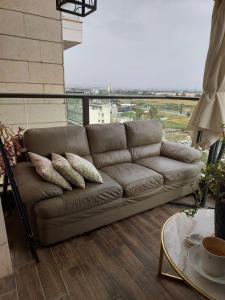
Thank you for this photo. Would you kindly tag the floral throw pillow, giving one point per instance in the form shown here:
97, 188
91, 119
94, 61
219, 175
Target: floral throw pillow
65, 169
84, 167
45, 169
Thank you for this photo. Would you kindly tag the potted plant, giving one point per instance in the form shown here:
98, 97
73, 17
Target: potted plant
12, 143
213, 179
212, 182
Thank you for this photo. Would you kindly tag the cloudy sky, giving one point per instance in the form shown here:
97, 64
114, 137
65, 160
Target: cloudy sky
142, 44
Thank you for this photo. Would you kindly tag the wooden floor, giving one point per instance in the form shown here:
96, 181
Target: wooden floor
117, 262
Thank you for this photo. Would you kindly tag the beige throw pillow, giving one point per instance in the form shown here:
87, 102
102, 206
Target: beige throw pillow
84, 167
45, 169
65, 169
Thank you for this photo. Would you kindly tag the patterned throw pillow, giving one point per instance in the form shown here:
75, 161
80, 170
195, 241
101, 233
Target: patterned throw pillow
45, 169
65, 169
84, 167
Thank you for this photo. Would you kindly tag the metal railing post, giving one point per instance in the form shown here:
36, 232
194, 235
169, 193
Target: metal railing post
85, 109
213, 152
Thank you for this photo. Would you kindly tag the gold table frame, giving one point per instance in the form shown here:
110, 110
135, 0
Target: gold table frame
181, 277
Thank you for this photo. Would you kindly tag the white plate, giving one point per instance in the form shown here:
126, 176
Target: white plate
196, 263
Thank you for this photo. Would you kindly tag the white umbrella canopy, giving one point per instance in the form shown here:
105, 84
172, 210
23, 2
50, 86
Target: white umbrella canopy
209, 114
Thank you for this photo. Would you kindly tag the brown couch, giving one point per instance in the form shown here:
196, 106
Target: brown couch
140, 171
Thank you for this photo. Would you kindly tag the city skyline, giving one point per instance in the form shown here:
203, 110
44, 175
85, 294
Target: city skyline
113, 89
141, 47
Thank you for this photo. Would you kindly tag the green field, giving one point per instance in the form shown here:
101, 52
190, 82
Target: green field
176, 122
174, 115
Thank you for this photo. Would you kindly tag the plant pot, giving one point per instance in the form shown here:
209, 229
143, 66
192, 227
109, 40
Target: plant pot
220, 217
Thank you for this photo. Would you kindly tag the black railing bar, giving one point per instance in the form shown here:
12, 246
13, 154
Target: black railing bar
91, 96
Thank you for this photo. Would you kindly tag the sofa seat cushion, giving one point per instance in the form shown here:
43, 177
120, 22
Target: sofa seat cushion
76, 200
135, 179
172, 170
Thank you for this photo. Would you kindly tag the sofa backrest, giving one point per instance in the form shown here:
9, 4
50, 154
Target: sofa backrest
104, 144
45, 141
144, 138
108, 144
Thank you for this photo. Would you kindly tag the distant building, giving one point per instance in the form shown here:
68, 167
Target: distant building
114, 113
109, 89
95, 92
99, 113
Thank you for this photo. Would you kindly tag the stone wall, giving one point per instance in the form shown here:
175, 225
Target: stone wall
31, 60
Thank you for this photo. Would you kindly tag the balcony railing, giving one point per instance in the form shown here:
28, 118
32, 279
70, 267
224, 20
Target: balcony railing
44, 110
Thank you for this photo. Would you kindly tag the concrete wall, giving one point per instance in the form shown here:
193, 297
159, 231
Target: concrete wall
72, 30
31, 60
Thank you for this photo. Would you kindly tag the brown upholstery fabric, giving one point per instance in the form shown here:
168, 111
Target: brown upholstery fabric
76, 200
31, 186
180, 152
59, 140
145, 151
134, 179
106, 137
172, 170
52, 230
110, 158
151, 181
142, 133
108, 144
144, 138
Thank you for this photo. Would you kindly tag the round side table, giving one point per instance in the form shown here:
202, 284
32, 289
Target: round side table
173, 247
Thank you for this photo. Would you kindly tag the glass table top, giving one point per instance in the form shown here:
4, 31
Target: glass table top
174, 233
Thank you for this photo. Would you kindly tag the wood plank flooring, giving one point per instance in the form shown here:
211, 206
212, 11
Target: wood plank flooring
118, 262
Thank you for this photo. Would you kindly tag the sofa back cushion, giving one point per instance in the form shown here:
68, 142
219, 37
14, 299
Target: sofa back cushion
59, 140
108, 144
144, 138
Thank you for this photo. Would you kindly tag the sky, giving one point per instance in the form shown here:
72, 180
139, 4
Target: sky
142, 44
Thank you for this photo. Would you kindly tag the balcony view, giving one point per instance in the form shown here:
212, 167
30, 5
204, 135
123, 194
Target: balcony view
174, 114
112, 142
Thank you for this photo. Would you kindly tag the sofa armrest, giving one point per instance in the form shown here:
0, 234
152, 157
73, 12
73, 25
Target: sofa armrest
31, 186
180, 152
